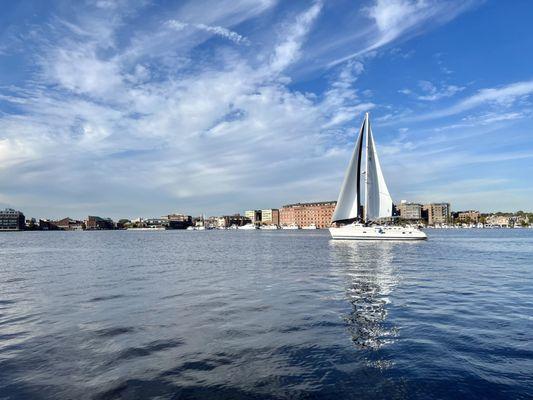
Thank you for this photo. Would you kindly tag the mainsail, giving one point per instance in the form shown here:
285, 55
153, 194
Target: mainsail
348, 203
378, 202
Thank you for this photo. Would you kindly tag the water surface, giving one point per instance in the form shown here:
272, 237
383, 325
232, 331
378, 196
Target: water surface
265, 314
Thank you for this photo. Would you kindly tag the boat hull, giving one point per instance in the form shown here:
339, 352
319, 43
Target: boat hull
376, 232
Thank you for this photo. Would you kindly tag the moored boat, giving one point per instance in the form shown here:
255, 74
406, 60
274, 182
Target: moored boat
291, 227
269, 227
148, 228
248, 227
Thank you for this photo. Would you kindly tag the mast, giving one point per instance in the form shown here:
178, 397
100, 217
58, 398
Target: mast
366, 169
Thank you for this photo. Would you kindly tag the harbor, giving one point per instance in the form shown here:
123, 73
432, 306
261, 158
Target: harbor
266, 200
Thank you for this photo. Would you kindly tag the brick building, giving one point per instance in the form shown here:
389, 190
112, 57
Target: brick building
468, 216
305, 214
69, 224
98, 223
437, 213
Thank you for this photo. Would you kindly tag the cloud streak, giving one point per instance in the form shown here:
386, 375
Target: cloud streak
288, 50
503, 96
215, 30
395, 18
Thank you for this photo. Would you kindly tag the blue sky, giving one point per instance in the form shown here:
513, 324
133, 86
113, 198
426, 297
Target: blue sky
140, 108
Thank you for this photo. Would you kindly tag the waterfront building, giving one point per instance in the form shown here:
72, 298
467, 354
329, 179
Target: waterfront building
410, 211
306, 214
469, 216
178, 221
253, 215
437, 213
156, 223
498, 220
98, 223
198, 221
520, 220
123, 223
270, 216
47, 225
69, 224
229, 220
31, 224
12, 220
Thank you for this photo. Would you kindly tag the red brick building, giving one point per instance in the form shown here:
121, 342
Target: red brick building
94, 222
305, 214
69, 224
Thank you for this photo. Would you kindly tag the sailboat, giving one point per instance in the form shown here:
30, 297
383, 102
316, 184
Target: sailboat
359, 221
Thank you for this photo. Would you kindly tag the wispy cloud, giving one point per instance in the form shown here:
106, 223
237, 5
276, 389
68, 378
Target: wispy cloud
431, 92
288, 50
395, 18
198, 101
190, 133
215, 30
503, 96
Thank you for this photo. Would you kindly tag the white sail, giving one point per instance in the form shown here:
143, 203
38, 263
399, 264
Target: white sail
348, 202
378, 199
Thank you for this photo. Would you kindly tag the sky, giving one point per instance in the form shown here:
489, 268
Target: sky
143, 108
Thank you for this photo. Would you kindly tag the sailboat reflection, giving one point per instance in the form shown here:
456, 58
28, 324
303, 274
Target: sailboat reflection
370, 279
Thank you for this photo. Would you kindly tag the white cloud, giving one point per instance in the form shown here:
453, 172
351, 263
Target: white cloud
215, 30
288, 50
161, 120
503, 96
395, 18
341, 100
433, 93
223, 32
79, 69
120, 120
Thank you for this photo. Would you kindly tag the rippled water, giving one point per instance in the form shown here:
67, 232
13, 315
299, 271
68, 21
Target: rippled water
265, 314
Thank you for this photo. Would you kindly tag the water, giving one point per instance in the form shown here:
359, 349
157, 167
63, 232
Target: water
265, 314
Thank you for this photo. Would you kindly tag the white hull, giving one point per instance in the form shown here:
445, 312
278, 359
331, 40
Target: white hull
290, 227
248, 227
376, 232
147, 229
269, 227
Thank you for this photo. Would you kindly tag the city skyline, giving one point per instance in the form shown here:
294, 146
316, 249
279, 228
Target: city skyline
134, 108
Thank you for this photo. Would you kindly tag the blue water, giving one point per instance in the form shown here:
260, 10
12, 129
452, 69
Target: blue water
265, 314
